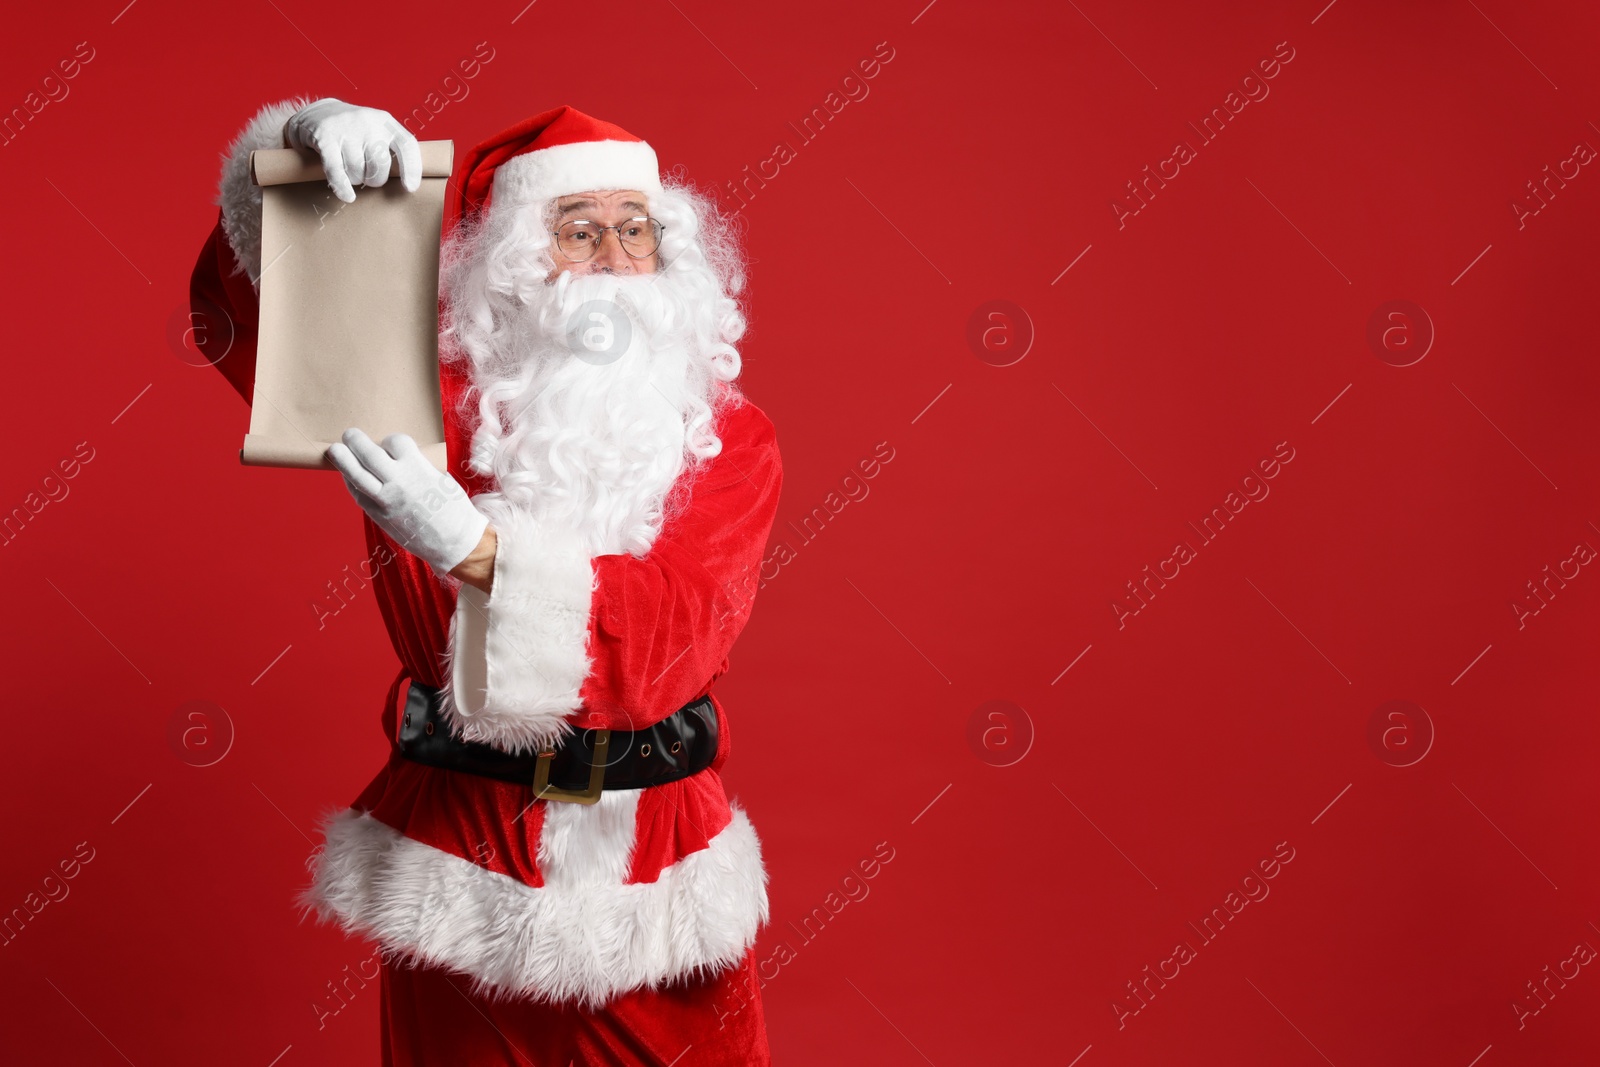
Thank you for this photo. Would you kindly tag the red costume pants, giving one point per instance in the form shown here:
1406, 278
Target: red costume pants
429, 1017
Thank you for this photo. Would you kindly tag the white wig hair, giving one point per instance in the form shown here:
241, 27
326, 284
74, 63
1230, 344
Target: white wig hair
495, 264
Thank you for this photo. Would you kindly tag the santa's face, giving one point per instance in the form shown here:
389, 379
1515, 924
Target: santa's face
596, 378
608, 212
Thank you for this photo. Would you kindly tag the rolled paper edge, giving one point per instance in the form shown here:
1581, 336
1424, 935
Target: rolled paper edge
297, 453
285, 166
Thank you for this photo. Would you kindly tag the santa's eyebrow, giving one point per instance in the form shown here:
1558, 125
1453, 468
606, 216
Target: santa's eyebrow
582, 205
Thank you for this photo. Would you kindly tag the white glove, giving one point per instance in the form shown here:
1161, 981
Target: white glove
423, 508
355, 143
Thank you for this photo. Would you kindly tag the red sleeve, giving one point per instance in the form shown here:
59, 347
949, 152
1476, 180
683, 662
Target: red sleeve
661, 627
224, 312
566, 640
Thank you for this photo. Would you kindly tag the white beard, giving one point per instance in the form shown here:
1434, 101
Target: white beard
592, 437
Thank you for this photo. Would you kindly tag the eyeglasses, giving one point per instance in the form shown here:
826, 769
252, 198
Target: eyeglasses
579, 239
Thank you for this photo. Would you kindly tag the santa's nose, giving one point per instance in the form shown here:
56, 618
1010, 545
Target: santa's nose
609, 257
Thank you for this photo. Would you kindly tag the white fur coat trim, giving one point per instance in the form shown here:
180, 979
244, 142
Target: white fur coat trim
239, 199
583, 938
516, 658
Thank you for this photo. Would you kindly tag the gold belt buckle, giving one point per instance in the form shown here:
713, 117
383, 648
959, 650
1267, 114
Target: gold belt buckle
543, 790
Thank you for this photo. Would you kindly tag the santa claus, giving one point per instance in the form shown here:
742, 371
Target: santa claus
548, 860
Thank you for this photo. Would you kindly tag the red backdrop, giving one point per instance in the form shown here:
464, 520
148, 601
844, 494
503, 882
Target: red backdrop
1402, 506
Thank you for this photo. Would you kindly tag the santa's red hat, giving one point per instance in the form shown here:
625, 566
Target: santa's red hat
555, 153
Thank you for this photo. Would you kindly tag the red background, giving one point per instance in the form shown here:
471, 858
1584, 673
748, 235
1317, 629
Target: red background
1229, 715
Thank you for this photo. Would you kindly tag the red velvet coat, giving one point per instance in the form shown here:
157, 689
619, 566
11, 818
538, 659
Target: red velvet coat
543, 900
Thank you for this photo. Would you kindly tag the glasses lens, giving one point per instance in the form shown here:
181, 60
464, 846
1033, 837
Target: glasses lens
578, 239
640, 236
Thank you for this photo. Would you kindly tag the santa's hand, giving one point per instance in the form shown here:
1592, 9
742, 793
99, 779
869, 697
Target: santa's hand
423, 508
355, 143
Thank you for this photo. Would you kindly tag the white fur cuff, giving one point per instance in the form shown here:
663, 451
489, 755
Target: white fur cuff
517, 658
239, 199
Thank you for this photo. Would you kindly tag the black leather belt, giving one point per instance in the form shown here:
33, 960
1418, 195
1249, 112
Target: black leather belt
582, 765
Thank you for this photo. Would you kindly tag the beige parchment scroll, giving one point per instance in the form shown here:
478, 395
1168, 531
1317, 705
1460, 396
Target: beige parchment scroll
349, 310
